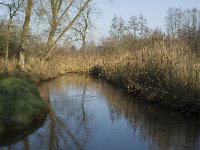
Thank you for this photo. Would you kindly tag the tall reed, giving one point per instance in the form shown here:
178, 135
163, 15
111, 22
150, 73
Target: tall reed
168, 75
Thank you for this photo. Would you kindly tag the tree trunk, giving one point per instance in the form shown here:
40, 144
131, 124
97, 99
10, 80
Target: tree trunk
55, 7
66, 28
25, 33
54, 24
22, 58
7, 40
50, 38
84, 44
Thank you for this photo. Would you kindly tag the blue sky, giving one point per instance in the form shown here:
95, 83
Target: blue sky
153, 10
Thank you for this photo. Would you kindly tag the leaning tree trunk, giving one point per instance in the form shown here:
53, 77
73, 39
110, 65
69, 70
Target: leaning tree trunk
66, 29
25, 33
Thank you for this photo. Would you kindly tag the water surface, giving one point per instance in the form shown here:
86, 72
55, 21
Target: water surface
90, 114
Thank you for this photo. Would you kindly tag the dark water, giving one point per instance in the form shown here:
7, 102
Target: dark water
91, 115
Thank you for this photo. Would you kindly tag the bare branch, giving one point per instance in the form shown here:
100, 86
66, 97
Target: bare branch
66, 10
67, 27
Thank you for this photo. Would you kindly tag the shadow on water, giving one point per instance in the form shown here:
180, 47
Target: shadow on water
161, 127
10, 137
89, 114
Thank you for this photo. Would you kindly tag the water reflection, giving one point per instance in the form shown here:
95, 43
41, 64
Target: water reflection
69, 120
161, 127
14, 136
90, 114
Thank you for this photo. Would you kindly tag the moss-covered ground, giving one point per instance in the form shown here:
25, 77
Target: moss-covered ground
20, 102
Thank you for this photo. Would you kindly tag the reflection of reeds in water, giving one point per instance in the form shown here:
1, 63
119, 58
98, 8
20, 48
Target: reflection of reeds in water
161, 127
69, 123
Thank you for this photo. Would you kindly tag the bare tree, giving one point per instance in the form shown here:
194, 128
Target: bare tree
60, 12
143, 27
194, 19
133, 25
55, 20
13, 6
170, 22
118, 28
184, 24
83, 25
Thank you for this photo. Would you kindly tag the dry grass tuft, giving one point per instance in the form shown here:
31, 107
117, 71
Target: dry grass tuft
8, 67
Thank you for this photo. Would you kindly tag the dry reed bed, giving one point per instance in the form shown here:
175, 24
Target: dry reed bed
160, 74
59, 65
10, 66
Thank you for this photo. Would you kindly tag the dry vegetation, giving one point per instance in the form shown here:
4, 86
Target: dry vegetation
162, 67
8, 67
160, 73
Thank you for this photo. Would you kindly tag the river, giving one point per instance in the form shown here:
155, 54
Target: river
89, 114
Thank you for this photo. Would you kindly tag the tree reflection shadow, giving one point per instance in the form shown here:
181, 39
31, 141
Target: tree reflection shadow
160, 126
70, 123
26, 143
76, 135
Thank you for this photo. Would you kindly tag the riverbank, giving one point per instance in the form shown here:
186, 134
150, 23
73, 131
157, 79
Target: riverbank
168, 75
20, 102
159, 74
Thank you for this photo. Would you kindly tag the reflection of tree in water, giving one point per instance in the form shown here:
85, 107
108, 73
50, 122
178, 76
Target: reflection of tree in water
161, 127
26, 143
69, 123
155, 124
69, 120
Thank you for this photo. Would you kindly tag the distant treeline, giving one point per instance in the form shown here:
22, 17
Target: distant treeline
182, 26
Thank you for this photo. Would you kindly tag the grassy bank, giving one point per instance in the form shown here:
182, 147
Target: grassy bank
20, 102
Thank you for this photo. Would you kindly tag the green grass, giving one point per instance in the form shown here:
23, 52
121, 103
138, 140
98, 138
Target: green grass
20, 102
